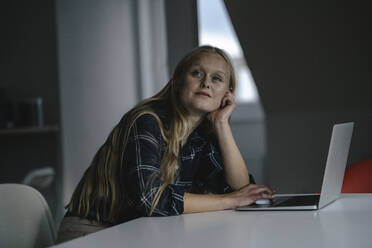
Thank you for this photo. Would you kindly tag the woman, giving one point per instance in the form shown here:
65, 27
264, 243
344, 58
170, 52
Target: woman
173, 153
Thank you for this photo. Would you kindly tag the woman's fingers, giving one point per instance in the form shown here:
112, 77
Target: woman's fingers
259, 188
228, 106
225, 110
252, 192
223, 103
265, 195
226, 99
266, 190
229, 98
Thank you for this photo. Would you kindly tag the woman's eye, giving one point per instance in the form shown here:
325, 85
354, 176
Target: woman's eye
217, 79
196, 73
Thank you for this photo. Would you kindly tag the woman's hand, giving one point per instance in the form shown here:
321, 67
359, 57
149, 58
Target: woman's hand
223, 114
196, 203
249, 194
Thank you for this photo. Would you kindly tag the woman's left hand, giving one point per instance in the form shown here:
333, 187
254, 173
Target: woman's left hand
223, 114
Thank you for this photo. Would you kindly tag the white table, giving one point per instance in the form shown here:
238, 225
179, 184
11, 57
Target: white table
345, 223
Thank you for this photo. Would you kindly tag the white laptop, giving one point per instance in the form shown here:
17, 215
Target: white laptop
332, 181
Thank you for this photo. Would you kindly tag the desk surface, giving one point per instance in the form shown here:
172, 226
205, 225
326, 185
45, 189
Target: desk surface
344, 223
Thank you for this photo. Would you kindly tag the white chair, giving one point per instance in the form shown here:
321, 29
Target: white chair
40, 178
25, 218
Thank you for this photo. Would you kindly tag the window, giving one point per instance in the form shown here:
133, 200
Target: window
215, 28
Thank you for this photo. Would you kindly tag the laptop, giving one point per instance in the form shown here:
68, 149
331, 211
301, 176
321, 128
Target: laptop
332, 180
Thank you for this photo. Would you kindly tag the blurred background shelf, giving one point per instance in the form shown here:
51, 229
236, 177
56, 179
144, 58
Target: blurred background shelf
30, 130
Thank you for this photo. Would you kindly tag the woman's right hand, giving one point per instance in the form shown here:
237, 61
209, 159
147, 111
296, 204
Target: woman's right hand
249, 194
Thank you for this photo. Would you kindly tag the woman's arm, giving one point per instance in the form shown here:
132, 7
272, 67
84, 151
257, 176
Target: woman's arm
194, 203
142, 159
236, 173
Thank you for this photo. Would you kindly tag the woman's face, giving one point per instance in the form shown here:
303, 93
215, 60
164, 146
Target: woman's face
205, 84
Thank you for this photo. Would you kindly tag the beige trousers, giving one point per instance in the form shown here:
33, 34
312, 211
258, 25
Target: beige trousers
73, 227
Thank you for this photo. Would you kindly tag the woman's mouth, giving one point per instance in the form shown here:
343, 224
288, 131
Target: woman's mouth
202, 94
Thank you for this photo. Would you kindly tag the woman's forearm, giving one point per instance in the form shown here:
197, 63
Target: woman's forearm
236, 172
196, 203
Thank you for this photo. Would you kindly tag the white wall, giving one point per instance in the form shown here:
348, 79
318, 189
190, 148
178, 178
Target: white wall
98, 77
152, 46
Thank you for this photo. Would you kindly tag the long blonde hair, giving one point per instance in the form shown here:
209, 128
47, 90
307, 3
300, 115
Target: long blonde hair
99, 188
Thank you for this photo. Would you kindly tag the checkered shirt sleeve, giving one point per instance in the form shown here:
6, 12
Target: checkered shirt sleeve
144, 152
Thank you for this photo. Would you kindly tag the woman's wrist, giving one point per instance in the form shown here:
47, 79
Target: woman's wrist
230, 201
221, 125
195, 203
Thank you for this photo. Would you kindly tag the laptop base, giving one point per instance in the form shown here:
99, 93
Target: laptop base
287, 202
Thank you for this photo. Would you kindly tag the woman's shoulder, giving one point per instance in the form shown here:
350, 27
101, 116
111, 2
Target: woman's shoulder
146, 119
149, 124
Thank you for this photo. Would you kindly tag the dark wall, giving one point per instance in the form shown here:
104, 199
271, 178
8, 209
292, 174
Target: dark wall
28, 61
182, 29
28, 69
307, 55
310, 61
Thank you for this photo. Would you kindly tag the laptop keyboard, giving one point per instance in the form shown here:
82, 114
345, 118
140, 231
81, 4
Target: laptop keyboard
303, 200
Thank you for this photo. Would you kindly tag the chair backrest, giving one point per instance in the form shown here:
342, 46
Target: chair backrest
25, 218
40, 178
358, 178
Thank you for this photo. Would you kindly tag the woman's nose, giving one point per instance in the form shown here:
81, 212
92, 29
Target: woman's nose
205, 83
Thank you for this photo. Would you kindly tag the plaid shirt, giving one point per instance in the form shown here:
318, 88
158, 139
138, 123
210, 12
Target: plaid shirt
200, 170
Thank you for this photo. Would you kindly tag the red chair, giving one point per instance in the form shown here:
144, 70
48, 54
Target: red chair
358, 178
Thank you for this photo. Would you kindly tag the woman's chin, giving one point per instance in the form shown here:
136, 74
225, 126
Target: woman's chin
201, 109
